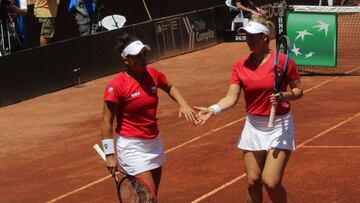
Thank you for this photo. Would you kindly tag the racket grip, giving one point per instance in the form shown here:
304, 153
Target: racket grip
272, 116
100, 152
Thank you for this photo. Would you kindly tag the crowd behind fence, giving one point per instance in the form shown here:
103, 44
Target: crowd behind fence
72, 18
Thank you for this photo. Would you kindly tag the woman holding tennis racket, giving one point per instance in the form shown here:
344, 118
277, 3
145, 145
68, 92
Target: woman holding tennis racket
266, 150
132, 98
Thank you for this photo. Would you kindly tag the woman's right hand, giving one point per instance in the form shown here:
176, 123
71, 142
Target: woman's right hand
255, 13
111, 163
203, 115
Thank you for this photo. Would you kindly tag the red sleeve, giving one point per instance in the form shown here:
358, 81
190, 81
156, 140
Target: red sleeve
162, 80
235, 76
112, 92
293, 72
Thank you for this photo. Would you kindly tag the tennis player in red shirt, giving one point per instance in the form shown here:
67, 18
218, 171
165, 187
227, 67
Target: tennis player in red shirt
265, 150
131, 97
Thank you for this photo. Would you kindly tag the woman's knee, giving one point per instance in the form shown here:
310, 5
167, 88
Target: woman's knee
254, 180
271, 182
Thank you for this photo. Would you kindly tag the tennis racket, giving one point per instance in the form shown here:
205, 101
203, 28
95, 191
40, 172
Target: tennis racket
130, 189
283, 47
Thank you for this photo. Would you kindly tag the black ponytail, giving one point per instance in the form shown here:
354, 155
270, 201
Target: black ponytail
123, 40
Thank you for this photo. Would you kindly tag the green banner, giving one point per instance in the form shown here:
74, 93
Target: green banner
313, 38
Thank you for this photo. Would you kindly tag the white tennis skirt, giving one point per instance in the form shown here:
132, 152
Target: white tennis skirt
256, 135
137, 155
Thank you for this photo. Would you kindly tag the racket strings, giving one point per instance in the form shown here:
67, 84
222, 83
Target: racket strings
283, 47
132, 191
143, 192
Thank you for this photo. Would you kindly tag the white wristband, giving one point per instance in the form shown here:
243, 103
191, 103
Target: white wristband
108, 146
215, 108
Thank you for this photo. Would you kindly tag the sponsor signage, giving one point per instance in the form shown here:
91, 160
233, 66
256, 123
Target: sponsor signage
186, 32
169, 36
313, 38
200, 29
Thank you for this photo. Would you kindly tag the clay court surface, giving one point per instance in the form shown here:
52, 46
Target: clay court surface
46, 143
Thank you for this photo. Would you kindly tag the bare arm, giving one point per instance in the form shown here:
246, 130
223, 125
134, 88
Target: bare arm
230, 98
243, 8
226, 102
296, 92
109, 110
108, 118
259, 12
184, 108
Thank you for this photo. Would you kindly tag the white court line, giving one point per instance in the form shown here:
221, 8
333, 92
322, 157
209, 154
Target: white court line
321, 84
353, 70
332, 147
79, 189
329, 129
300, 146
204, 134
174, 148
219, 188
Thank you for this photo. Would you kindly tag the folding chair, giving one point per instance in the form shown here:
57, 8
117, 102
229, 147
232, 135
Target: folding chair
239, 20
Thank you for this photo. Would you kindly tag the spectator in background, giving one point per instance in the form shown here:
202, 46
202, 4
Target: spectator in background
248, 8
45, 11
18, 9
83, 11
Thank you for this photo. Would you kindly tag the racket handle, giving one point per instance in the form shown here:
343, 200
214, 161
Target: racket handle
100, 152
272, 116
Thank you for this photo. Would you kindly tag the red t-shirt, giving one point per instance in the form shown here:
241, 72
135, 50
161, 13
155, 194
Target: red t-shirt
136, 103
258, 83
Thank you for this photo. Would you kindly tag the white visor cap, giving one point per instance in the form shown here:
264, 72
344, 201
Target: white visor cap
255, 28
134, 48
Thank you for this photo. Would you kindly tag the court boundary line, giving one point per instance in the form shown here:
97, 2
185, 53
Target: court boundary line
299, 146
329, 129
177, 147
79, 189
332, 147
204, 134
219, 188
